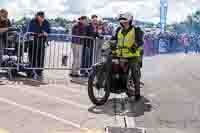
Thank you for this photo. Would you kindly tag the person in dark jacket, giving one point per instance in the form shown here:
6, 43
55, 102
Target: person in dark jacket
128, 43
4, 21
79, 29
88, 48
40, 28
4, 25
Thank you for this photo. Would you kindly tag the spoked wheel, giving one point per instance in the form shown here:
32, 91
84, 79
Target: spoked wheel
130, 85
98, 89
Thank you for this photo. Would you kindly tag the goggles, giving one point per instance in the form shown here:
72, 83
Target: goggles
123, 20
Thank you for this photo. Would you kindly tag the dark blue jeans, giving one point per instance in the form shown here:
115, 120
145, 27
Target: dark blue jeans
186, 49
197, 49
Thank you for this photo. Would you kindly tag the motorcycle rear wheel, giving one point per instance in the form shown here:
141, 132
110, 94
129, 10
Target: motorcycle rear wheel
134, 78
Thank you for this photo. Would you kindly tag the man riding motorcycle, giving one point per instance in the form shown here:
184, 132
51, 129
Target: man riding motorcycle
128, 44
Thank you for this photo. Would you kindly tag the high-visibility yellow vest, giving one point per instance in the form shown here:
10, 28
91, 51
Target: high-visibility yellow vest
127, 42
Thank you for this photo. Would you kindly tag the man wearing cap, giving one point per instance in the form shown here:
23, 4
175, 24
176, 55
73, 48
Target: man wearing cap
92, 32
78, 30
40, 28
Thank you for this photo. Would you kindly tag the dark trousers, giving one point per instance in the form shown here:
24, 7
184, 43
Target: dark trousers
133, 65
87, 57
197, 49
186, 49
36, 53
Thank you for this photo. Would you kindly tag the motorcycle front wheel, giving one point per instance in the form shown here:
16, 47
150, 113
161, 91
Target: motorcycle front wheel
97, 83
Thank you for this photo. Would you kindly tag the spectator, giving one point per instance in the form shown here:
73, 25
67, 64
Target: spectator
40, 28
198, 45
186, 43
99, 41
101, 28
4, 21
79, 29
87, 56
4, 24
147, 48
195, 43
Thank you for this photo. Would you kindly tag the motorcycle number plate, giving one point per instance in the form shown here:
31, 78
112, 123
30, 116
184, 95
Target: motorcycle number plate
123, 60
115, 61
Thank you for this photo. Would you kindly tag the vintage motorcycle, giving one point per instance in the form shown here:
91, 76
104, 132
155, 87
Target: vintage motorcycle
121, 80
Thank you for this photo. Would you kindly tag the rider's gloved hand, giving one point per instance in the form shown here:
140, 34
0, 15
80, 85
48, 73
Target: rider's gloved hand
113, 46
101, 37
133, 49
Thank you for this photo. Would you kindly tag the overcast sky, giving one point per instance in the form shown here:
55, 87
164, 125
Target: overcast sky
142, 9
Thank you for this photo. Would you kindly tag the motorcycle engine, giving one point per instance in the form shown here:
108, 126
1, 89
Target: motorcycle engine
118, 83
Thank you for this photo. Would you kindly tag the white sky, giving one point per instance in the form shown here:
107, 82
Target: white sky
142, 9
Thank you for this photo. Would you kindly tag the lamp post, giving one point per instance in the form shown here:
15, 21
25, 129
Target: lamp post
163, 14
163, 44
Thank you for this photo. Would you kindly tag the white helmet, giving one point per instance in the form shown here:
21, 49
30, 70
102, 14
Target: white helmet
128, 16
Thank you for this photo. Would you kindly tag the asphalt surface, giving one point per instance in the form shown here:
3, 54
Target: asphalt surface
170, 103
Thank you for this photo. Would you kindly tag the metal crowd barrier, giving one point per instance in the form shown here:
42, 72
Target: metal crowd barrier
58, 51
32, 52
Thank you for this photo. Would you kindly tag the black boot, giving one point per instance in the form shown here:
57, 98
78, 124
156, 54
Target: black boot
137, 97
40, 73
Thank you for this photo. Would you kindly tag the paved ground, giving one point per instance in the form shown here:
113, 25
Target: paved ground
171, 102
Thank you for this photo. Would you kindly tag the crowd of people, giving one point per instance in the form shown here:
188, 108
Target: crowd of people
173, 42
83, 48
